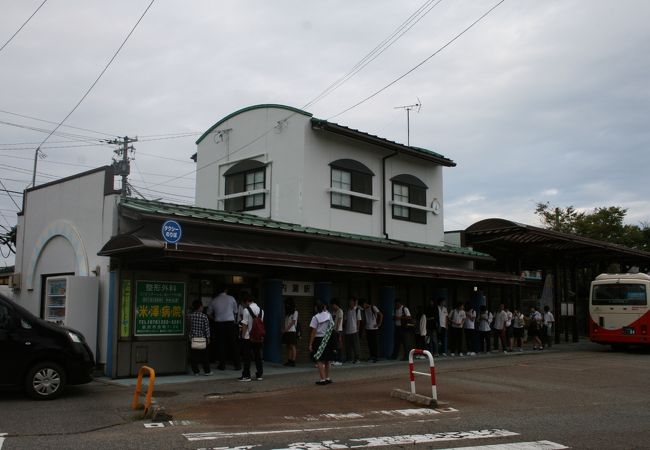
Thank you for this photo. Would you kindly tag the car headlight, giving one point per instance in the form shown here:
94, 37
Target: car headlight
75, 337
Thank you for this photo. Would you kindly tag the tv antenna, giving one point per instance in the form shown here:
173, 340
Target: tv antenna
408, 109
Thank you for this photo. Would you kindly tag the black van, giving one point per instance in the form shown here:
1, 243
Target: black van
38, 355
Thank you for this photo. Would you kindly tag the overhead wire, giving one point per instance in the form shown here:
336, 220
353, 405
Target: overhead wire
54, 123
10, 196
384, 45
380, 48
22, 26
83, 97
184, 175
77, 137
421, 63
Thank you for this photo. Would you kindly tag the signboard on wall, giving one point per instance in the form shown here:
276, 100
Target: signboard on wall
297, 288
159, 308
125, 309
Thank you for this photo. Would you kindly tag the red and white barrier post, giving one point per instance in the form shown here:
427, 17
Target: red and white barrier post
432, 371
413, 396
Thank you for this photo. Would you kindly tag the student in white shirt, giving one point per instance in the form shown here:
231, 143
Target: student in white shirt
320, 342
337, 335
549, 324
470, 330
484, 330
373, 319
457, 320
352, 322
443, 316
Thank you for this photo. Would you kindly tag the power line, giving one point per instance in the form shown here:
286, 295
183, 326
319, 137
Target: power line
7, 191
22, 26
360, 65
417, 66
77, 137
404, 27
54, 123
90, 88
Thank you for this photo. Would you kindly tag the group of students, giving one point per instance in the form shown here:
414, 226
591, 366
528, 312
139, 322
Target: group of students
465, 331
347, 327
335, 332
226, 328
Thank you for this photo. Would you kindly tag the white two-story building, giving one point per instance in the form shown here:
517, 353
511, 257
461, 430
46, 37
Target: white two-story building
282, 164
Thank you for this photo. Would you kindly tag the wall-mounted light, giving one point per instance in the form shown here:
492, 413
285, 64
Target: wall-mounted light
237, 279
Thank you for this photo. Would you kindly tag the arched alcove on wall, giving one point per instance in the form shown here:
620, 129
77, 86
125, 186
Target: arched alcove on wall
67, 231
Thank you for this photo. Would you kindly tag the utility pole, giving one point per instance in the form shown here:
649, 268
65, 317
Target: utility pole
121, 163
408, 109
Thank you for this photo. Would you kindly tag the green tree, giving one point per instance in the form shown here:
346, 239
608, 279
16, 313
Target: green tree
603, 223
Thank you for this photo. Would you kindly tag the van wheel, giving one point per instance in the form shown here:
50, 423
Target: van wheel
45, 381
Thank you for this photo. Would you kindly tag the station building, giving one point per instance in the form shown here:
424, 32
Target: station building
286, 205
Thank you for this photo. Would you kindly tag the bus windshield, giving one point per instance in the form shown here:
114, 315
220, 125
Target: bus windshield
619, 294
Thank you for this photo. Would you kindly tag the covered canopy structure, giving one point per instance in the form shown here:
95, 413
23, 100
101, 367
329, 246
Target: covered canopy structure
571, 261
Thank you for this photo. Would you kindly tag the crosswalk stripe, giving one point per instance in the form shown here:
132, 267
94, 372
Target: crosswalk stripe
533, 445
409, 439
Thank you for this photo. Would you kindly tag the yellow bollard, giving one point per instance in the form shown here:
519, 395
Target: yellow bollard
138, 389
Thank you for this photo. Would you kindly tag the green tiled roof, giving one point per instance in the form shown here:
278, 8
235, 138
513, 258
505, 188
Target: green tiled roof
213, 215
354, 133
341, 129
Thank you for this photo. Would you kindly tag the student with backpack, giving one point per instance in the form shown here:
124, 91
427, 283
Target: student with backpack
252, 337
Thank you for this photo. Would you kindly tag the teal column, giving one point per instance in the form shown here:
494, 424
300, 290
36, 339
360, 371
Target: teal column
323, 291
387, 332
273, 320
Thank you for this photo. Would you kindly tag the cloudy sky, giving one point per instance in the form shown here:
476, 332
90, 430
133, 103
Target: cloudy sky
539, 101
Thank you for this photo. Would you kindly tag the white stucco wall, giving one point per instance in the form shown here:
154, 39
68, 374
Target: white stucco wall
62, 228
298, 174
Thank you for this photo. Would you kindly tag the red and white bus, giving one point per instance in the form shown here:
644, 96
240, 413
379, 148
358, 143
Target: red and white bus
618, 309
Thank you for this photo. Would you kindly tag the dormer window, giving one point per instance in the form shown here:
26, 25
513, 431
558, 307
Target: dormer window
245, 186
409, 192
351, 186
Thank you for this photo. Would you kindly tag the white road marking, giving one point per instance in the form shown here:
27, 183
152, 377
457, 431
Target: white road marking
392, 412
535, 445
221, 434
2, 439
171, 423
380, 441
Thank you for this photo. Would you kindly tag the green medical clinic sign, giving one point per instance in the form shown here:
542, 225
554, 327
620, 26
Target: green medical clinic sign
125, 309
159, 308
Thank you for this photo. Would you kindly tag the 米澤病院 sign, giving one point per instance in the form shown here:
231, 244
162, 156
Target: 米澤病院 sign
159, 308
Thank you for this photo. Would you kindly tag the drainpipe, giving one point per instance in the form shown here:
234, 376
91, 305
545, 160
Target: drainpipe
383, 192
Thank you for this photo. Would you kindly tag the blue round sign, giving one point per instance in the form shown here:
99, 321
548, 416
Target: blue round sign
171, 231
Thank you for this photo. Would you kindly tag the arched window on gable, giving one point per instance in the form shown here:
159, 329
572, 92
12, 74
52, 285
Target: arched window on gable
247, 178
349, 178
409, 190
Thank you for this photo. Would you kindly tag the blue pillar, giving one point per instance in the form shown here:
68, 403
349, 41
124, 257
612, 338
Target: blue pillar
386, 333
323, 291
273, 320
113, 327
